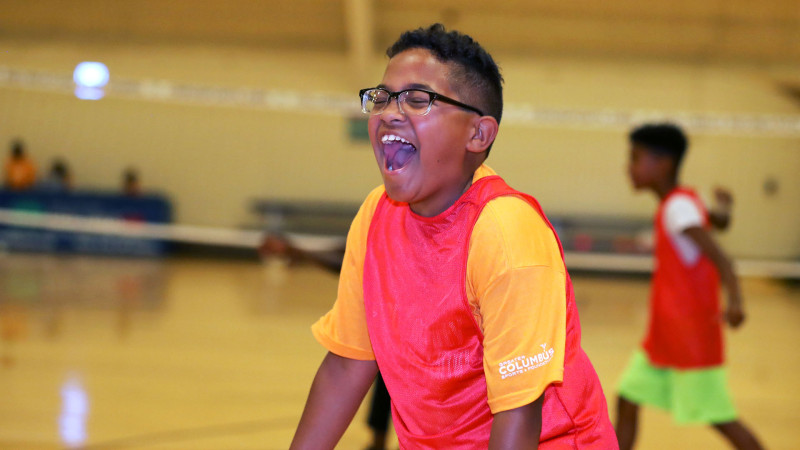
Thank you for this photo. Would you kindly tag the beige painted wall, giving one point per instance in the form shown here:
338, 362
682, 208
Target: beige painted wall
212, 161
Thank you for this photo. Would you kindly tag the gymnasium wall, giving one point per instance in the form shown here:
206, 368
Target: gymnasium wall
214, 160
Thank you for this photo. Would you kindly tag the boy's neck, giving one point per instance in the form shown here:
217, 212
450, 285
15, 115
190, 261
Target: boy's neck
664, 188
431, 210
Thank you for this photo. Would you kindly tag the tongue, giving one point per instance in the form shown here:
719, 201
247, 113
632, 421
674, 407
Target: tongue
398, 155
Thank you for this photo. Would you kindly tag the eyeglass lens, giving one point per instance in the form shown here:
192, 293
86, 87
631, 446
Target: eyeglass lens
411, 101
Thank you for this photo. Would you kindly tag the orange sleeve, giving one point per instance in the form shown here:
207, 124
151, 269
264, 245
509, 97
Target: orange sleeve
516, 284
343, 330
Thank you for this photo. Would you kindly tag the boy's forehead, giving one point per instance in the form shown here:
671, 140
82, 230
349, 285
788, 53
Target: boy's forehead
640, 148
645, 151
416, 68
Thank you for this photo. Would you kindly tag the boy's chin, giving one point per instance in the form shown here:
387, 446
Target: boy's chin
397, 194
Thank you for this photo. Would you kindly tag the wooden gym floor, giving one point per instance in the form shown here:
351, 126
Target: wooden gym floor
103, 353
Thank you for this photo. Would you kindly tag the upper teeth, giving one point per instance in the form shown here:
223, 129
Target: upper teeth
392, 137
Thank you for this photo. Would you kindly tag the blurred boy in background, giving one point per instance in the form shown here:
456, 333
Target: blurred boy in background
680, 368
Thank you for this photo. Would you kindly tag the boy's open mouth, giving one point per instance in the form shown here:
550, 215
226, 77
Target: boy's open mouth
397, 151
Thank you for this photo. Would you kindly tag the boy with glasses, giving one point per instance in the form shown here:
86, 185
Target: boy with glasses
453, 283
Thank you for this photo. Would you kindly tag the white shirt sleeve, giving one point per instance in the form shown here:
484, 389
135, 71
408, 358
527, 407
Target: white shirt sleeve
681, 213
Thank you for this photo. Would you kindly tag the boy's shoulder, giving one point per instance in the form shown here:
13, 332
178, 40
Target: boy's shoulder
511, 225
682, 197
681, 210
511, 214
511, 208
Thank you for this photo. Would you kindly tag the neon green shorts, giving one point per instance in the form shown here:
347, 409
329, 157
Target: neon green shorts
692, 396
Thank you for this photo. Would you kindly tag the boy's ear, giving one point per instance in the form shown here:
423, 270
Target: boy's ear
484, 132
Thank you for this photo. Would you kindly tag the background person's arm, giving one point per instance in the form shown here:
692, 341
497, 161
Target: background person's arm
336, 393
277, 245
517, 428
734, 313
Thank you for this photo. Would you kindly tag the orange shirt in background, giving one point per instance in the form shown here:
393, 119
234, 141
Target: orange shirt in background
20, 174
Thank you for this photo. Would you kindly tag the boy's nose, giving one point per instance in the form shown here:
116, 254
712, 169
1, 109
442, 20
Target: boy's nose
393, 110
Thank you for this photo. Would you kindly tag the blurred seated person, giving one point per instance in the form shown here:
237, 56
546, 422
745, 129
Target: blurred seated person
59, 178
20, 172
130, 182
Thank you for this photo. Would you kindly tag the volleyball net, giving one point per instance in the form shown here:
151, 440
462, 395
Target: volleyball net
254, 239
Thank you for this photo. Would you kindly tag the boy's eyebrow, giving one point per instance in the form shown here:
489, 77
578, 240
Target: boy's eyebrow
409, 86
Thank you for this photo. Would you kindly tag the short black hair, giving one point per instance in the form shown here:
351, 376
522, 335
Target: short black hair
130, 175
59, 169
477, 78
662, 138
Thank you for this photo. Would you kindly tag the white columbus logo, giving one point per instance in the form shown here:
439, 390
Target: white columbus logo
524, 363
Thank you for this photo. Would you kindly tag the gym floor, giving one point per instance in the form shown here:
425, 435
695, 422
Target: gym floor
204, 353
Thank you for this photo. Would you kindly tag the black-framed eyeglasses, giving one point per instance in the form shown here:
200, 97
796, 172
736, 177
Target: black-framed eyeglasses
409, 101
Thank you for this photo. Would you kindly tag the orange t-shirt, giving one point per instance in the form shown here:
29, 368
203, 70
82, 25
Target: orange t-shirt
516, 286
20, 173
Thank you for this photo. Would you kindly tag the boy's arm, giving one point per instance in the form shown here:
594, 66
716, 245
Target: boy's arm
336, 393
734, 313
517, 428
